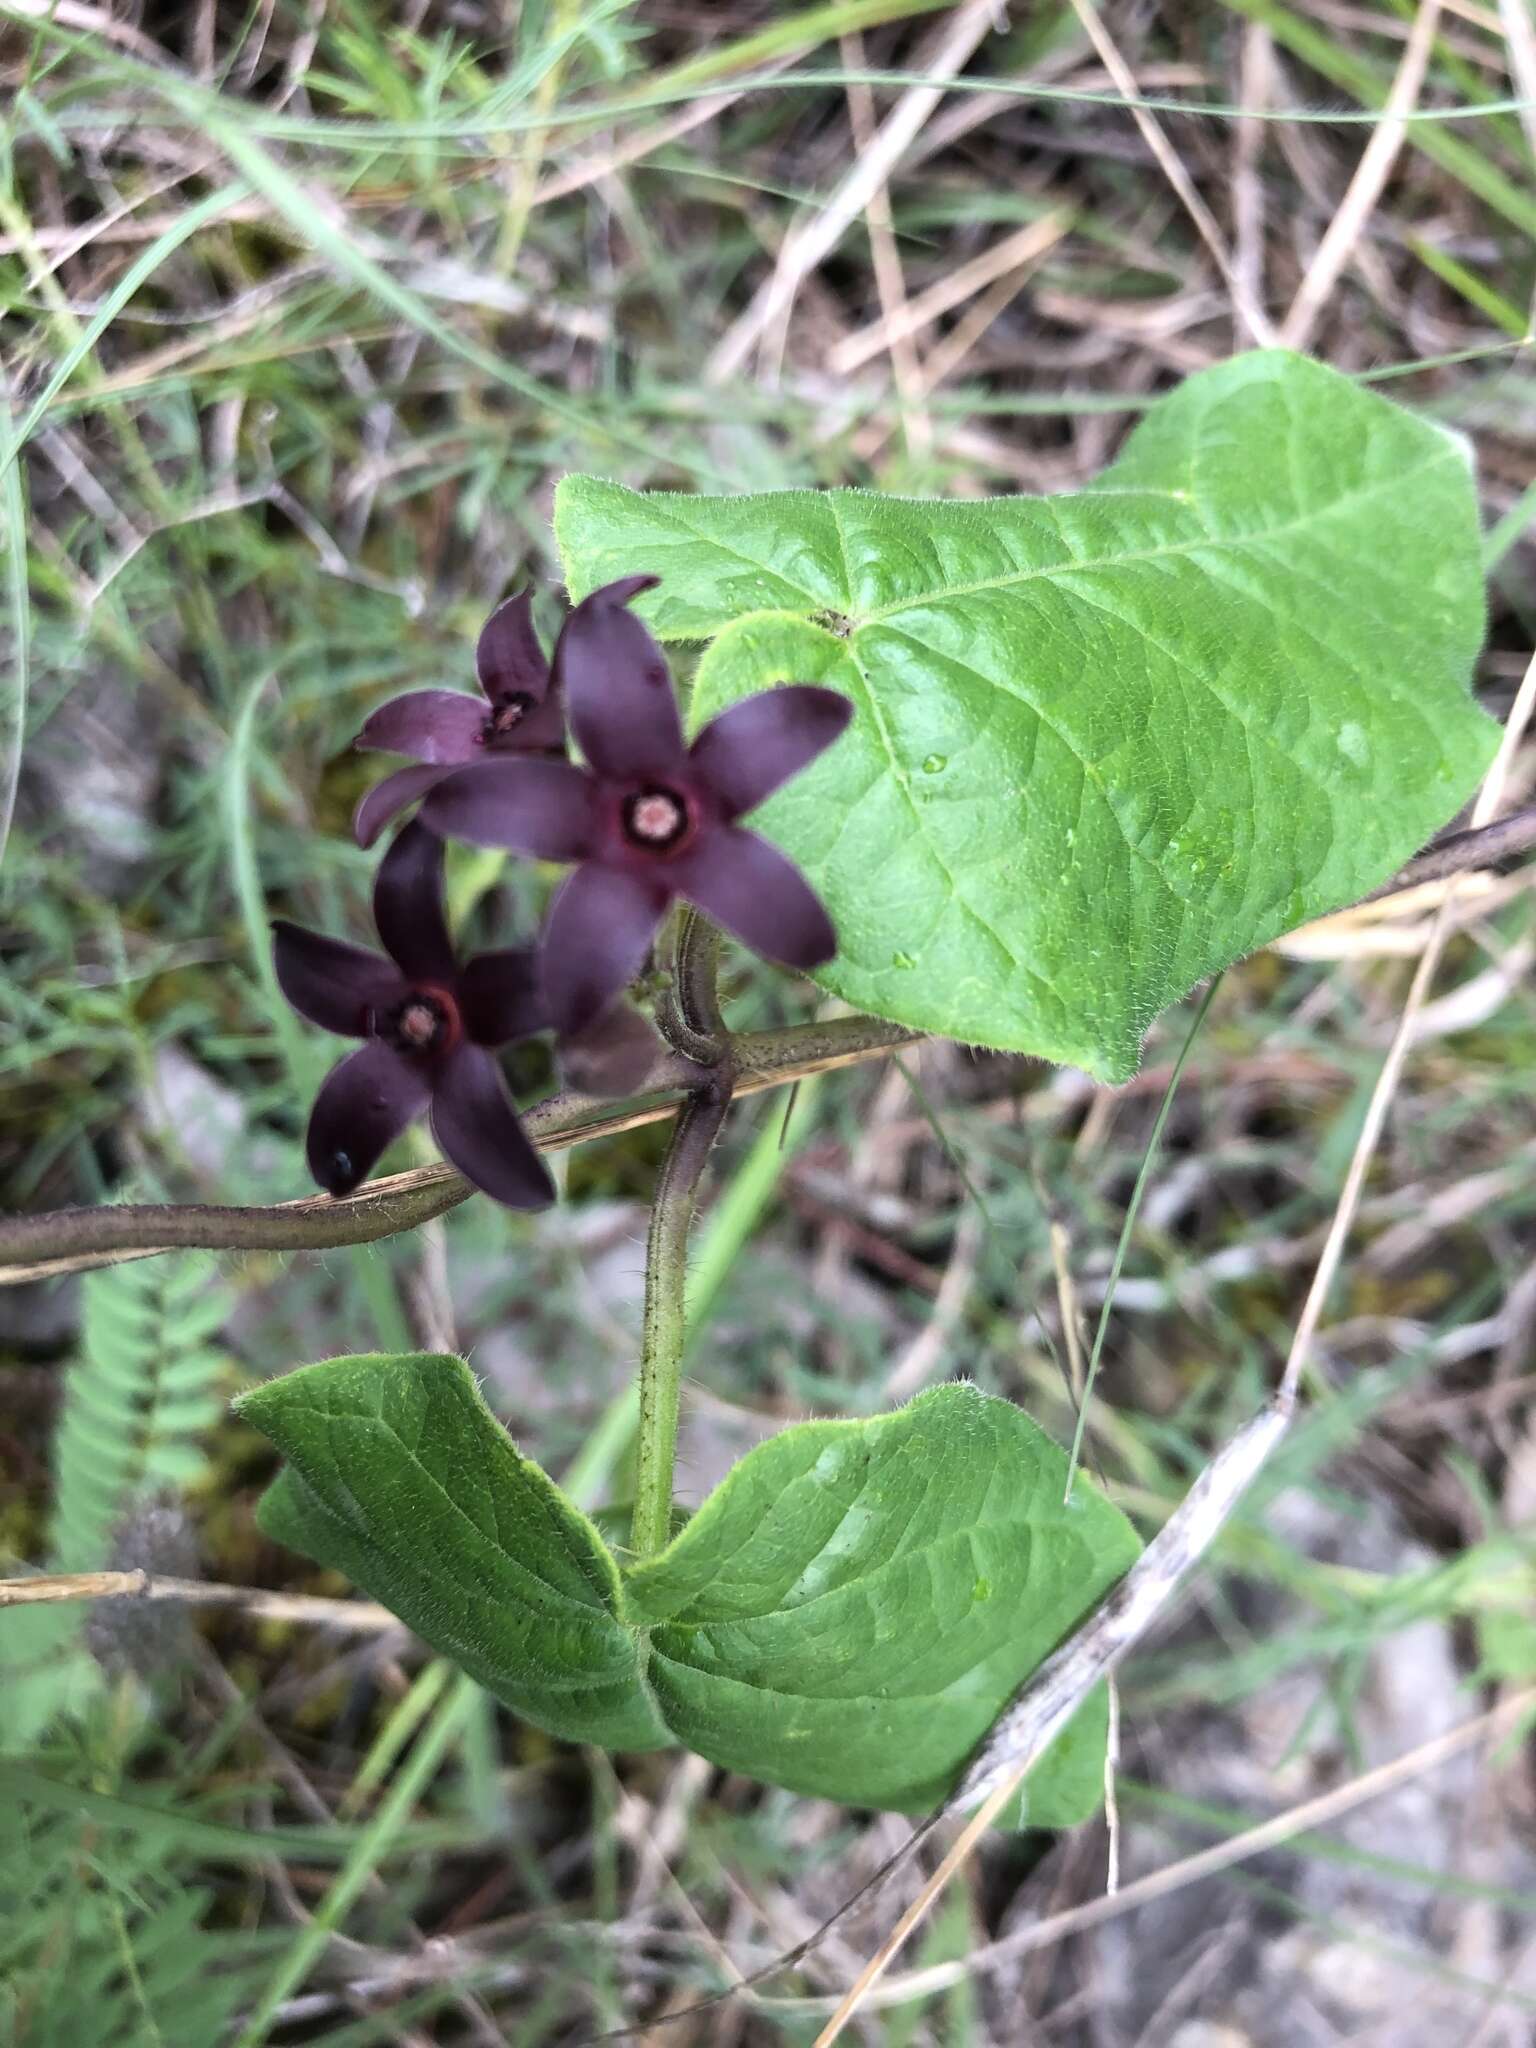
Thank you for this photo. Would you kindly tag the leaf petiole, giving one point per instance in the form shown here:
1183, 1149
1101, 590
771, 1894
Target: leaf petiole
665, 1327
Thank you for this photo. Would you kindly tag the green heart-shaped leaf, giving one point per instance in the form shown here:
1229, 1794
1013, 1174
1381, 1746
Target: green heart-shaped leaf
853, 1605
399, 1476
845, 1615
1106, 744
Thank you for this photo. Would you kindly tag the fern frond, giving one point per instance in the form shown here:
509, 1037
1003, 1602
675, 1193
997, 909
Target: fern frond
137, 1400
140, 1395
104, 1939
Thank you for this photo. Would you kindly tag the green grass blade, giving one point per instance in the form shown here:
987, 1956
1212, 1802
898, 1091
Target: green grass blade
315, 226
1334, 61
138, 272
1133, 1210
373, 1845
13, 523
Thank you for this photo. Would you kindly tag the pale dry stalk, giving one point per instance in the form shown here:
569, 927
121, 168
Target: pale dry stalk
1012, 253
1252, 314
885, 261
807, 245
1366, 186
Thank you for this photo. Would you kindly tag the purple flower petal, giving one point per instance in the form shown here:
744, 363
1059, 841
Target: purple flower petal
508, 659
475, 1123
409, 911
445, 726
596, 937
757, 894
618, 692
540, 807
363, 1106
501, 997
333, 984
744, 755
388, 798
611, 1057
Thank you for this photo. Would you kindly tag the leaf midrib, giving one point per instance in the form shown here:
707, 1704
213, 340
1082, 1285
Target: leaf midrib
1259, 536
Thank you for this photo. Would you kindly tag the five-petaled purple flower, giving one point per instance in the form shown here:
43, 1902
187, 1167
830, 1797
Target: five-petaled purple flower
429, 1025
445, 728
650, 817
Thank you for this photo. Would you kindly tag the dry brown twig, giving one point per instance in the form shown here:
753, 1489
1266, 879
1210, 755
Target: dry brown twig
1228, 1855
362, 1617
1058, 1688
40, 1247
46, 1245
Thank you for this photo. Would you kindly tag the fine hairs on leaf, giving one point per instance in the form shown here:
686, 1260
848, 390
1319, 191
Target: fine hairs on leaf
845, 1615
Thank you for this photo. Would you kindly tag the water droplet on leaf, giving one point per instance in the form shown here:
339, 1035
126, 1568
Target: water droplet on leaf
1354, 745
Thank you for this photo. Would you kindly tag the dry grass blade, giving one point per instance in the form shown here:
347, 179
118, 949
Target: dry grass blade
56, 1589
1332, 1254
1011, 254
946, 357
1056, 1691
1255, 81
591, 170
1229, 1855
90, 21
806, 246
1061, 1684
1520, 41
1366, 186
885, 260
1250, 311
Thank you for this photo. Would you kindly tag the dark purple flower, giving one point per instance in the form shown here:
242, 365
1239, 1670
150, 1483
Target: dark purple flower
649, 818
428, 1024
446, 728
612, 1057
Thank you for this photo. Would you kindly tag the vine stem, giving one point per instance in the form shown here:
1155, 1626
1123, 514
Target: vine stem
41, 1246
689, 1015
666, 1324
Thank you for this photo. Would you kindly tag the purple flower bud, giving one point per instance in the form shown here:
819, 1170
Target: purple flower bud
519, 714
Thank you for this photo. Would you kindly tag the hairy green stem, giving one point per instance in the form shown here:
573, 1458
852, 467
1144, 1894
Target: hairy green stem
689, 1013
665, 1326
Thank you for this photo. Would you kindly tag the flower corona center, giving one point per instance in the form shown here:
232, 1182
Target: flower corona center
426, 1023
506, 716
657, 819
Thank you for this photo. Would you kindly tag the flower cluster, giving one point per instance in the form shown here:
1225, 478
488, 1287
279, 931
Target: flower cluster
644, 818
